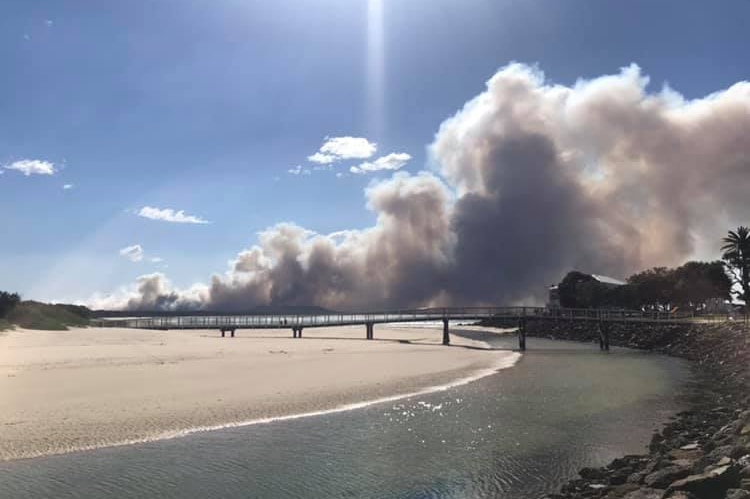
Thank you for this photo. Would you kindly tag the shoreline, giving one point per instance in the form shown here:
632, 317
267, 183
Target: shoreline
704, 451
457, 366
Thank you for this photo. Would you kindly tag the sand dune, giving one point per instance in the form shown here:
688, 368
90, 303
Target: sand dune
87, 388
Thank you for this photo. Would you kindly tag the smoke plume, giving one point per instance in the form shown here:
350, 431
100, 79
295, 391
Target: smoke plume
530, 180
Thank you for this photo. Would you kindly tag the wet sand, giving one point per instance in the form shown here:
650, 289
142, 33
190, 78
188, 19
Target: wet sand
89, 388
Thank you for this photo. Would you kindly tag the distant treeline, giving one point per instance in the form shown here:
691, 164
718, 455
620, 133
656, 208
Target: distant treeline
692, 286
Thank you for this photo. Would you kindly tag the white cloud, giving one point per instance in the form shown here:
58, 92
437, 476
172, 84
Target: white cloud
32, 167
170, 215
298, 170
49, 22
67, 187
338, 148
156, 259
393, 161
133, 253
323, 159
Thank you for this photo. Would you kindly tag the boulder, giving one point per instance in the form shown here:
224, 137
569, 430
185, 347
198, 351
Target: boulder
661, 479
593, 473
619, 477
637, 477
645, 494
619, 491
737, 494
680, 494
710, 485
691, 455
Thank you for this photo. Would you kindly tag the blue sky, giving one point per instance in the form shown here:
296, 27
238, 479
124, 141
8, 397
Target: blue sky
205, 106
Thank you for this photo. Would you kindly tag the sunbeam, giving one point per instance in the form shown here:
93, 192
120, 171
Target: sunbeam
375, 68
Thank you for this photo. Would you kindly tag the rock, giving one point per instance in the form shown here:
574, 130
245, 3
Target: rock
745, 472
661, 479
711, 484
637, 478
693, 446
691, 455
620, 490
619, 477
593, 473
745, 483
685, 463
680, 494
645, 494
737, 494
745, 430
724, 461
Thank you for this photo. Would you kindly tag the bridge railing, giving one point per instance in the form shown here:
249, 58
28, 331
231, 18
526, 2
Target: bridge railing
412, 315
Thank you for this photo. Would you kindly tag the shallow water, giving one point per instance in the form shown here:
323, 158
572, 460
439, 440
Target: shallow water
517, 434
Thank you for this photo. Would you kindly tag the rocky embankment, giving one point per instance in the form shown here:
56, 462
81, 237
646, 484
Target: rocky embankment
703, 452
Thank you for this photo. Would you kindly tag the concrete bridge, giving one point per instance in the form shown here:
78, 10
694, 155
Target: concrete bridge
513, 317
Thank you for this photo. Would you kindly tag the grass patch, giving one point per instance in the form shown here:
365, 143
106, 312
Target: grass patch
36, 315
5, 325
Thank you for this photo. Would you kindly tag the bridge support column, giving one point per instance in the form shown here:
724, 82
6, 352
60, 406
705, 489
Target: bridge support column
222, 333
296, 332
232, 332
603, 336
446, 333
369, 330
522, 334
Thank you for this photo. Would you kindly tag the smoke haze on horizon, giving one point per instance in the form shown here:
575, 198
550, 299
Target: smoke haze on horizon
529, 180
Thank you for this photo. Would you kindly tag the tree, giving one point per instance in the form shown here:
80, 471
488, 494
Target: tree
654, 288
736, 254
7, 302
695, 283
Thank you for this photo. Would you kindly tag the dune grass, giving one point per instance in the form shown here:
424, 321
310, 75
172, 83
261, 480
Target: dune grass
36, 315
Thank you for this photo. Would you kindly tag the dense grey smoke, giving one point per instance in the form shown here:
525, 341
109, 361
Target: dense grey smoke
530, 181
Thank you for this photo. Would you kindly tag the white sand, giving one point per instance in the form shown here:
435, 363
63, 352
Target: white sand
87, 388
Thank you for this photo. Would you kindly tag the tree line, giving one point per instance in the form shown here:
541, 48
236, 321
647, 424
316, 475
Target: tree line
8, 301
693, 286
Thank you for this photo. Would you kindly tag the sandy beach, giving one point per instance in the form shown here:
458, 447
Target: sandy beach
88, 388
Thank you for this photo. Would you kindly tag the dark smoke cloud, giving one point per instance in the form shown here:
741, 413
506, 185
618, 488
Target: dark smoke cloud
531, 180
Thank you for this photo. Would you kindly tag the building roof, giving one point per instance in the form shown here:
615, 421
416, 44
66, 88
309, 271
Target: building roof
608, 280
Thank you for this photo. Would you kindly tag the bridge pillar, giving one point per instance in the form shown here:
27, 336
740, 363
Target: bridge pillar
446, 333
231, 331
222, 333
603, 336
522, 334
294, 332
369, 330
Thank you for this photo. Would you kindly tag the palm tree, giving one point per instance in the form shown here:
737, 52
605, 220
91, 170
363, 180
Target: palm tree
736, 254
